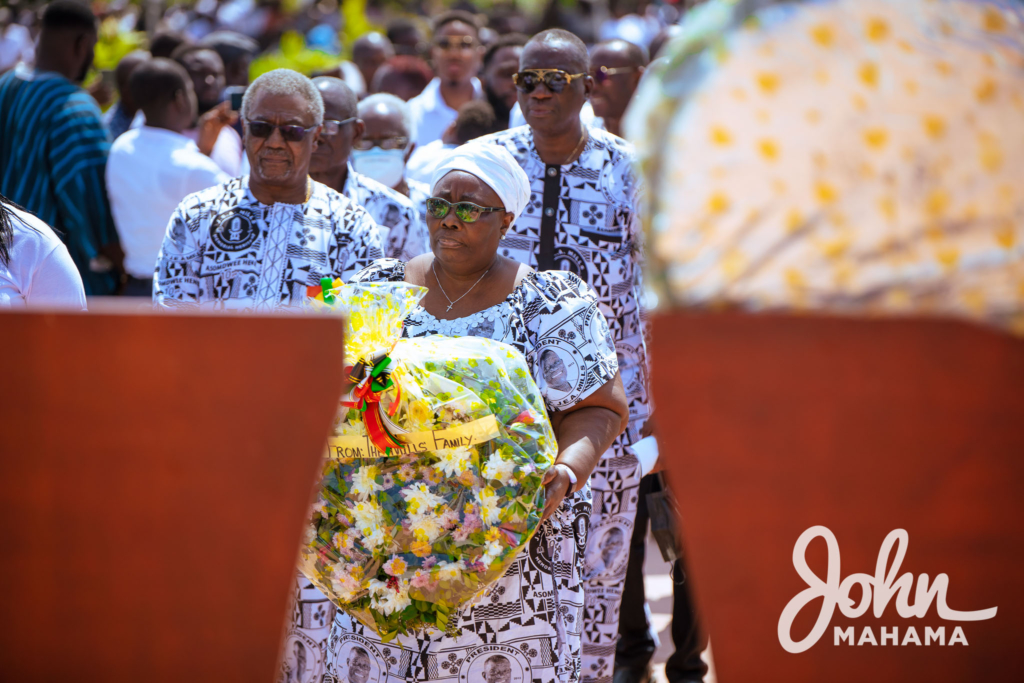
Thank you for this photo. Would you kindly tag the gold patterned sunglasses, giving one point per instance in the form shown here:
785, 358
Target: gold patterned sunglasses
556, 80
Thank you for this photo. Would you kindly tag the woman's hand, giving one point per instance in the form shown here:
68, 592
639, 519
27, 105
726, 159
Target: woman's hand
556, 487
584, 432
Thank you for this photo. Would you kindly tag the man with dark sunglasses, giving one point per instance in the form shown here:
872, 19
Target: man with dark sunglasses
616, 67
583, 216
257, 242
403, 234
456, 54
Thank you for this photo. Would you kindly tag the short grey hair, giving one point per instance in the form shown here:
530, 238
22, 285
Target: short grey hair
285, 82
391, 103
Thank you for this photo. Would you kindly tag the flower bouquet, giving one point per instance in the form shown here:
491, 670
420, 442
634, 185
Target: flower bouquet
433, 479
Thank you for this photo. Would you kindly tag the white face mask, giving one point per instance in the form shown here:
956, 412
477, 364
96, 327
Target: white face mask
386, 166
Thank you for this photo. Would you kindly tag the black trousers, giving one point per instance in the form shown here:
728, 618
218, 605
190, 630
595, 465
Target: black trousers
635, 648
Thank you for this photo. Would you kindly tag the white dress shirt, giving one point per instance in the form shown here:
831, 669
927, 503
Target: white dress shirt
431, 115
149, 171
227, 151
40, 271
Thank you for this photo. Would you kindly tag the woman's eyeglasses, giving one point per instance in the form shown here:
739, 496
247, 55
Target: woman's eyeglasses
460, 43
556, 80
603, 74
332, 127
397, 142
467, 212
263, 129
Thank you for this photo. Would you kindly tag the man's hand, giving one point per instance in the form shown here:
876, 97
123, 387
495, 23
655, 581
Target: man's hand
210, 125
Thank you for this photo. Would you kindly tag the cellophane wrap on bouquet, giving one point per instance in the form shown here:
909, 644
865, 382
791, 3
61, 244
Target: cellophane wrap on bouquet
433, 480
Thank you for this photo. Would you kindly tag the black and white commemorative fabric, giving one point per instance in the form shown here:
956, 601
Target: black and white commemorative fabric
404, 229
528, 627
583, 217
225, 250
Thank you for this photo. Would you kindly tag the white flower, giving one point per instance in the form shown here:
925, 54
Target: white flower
310, 534
498, 468
367, 514
373, 537
490, 511
454, 461
344, 584
396, 601
388, 600
364, 481
419, 499
429, 524
450, 571
492, 552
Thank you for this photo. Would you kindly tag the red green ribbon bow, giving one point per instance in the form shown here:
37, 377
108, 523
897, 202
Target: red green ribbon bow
367, 393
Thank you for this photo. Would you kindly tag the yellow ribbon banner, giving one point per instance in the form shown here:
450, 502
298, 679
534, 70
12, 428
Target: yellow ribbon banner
469, 434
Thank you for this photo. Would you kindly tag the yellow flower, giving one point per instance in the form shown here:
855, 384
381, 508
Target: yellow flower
419, 412
395, 566
420, 548
869, 74
823, 35
877, 29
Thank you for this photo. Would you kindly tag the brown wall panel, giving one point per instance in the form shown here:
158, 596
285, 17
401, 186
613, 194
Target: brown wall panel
772, 425
155, 473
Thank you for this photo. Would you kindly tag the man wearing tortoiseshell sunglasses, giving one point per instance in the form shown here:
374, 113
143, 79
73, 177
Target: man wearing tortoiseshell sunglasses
583, 217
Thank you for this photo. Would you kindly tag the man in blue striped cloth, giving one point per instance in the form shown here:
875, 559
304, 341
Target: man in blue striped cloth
53, 147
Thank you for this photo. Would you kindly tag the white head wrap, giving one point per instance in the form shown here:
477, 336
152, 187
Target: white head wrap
494, 165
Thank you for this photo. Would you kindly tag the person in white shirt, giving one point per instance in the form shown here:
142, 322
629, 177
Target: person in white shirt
386, 147
457, 55
36, 269
151, 169
403, 233
476, 119
206, 68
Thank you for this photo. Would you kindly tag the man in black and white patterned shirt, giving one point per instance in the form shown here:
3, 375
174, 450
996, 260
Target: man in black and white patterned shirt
583, 217
256, 242
404, 233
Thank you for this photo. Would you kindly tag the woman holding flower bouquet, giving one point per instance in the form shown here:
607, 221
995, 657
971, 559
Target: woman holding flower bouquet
527, 626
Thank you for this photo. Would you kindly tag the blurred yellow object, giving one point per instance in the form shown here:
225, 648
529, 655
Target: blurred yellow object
293, 54
849, 155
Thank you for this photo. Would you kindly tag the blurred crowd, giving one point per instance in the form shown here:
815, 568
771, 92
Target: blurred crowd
455, 76
152, 126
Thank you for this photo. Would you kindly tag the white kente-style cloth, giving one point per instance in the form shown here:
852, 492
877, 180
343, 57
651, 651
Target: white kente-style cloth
226, 250
860, 157
598, 237
528, 626
403, 233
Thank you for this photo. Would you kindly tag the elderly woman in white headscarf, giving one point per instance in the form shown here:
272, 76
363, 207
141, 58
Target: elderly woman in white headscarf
528, 626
